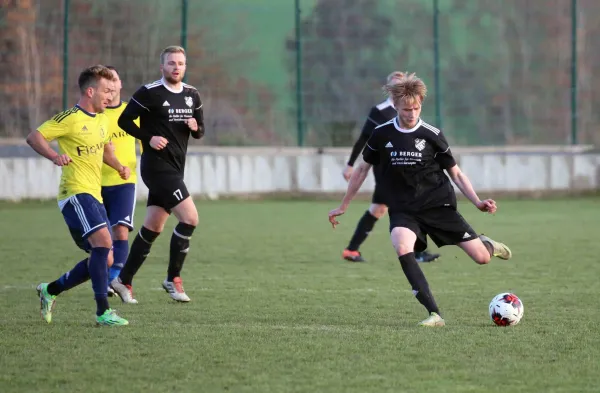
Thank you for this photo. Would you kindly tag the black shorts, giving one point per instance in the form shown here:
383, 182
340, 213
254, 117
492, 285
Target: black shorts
444, 225
378, 196
165, 190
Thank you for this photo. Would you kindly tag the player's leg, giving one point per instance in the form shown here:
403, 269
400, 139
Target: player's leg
187, 215
101, 244
482, 249
446, 226
404, 235
87, 222
154, 222
365, 225
120, 206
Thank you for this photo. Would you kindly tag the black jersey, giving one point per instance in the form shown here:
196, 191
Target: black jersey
163, 112
411, 164
378, 115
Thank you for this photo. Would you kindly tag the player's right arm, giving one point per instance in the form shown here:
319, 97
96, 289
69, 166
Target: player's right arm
370, 157
360, 143
136, 107
39, 140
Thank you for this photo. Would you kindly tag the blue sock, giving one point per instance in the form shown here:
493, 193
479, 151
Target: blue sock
99, 275
78, 275
120, 250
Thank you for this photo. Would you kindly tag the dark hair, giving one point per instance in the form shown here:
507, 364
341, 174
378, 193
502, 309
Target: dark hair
90, 76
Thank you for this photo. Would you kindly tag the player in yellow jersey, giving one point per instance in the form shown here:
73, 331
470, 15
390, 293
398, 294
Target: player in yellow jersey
82, 133
119, 194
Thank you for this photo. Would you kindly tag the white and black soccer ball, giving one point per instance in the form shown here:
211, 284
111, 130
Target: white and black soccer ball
506, 309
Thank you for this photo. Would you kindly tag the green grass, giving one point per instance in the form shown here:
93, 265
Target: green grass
275, 309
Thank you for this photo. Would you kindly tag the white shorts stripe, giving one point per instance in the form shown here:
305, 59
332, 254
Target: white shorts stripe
80, 213
92, 229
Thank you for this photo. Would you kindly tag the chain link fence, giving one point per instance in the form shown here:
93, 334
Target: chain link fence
305, 72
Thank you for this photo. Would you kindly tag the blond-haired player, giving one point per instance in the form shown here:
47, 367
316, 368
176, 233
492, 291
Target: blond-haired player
379, 114
413, 156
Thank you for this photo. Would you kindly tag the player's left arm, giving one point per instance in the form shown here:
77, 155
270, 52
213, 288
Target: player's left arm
196, 123
443, 156
112, 161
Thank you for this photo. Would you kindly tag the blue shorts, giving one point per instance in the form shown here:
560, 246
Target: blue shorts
84, 215
120, 204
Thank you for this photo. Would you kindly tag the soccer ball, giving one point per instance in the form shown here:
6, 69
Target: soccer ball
506, 309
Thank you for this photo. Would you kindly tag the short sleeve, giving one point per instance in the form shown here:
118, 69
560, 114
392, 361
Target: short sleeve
443, 154
371, 151
53, 128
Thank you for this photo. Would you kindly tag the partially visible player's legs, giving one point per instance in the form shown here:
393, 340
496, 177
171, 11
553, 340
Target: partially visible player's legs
120, 250
403, 240
119, 201
482, 249
187, 214
154, 223
425, 256
363, 228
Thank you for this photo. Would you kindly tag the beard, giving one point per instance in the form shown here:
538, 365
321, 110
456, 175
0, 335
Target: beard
172, 80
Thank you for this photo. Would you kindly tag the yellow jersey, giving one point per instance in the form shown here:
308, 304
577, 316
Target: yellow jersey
80, 135
124, 145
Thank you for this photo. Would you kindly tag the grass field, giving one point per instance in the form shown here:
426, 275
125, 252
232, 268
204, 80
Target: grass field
275, 309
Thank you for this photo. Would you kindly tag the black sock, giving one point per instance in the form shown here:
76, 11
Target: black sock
364, 226
180, 245
140, 248
418, 282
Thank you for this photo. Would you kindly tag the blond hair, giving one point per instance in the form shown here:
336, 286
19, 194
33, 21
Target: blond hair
170, 49
405, 87
394, 75
92, 75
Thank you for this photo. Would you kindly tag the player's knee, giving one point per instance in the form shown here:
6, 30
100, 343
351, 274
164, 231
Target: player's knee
482, 258
100, 238
403, 249
120, 232
154, 225
190, 218
377, 210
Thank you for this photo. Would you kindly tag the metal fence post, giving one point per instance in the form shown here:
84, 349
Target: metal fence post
436, 65
574, 140
184, 27
65, 84
299, 104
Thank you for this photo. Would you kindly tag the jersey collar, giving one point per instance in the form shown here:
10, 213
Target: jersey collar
115, 107
162, 80
404, 130
84, 111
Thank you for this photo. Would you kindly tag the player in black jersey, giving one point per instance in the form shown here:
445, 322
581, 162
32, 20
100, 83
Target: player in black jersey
378, 115
169, 112
412, 156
